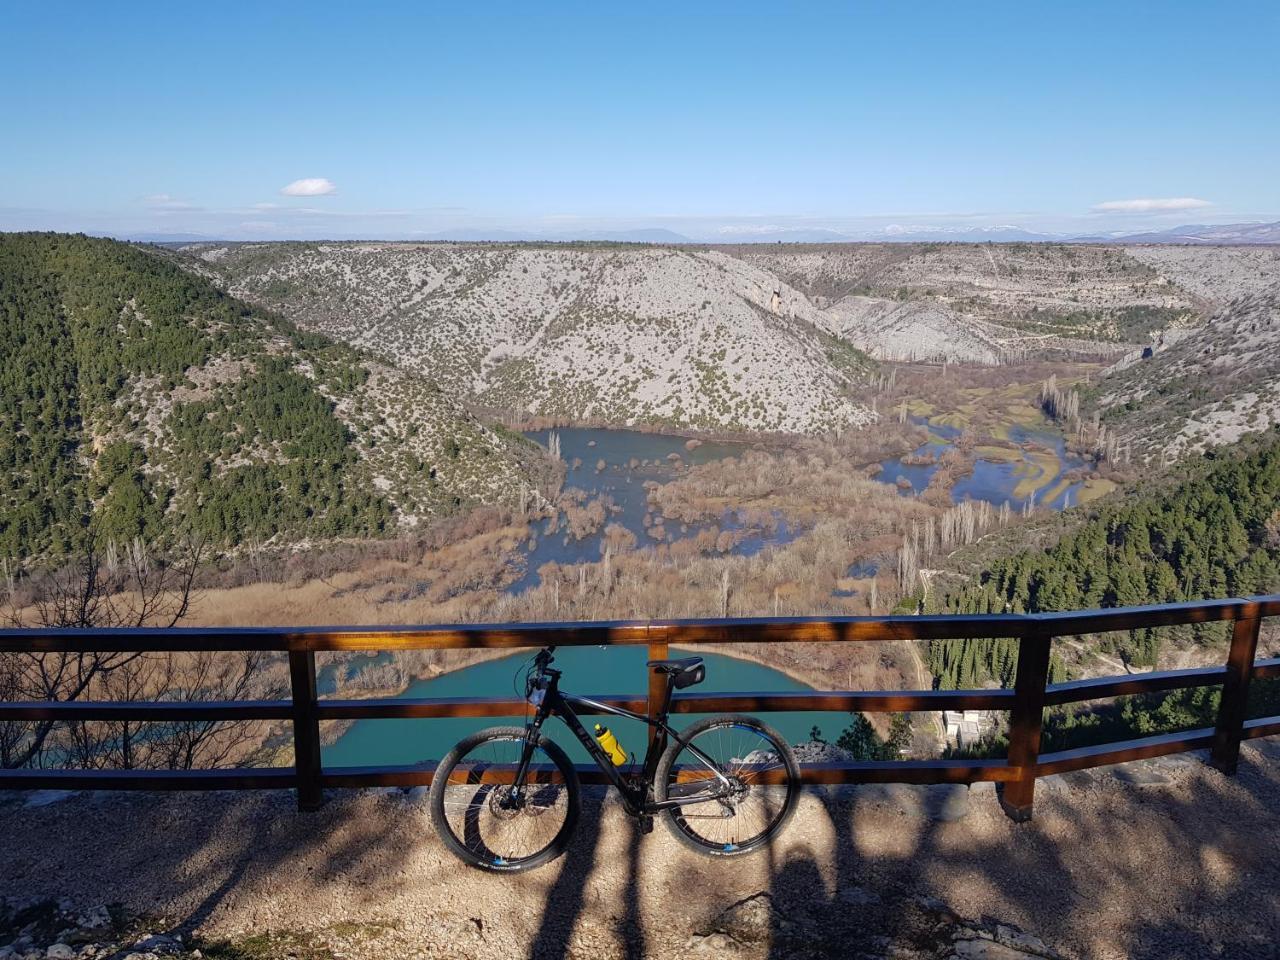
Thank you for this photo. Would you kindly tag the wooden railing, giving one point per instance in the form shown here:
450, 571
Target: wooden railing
1025, 702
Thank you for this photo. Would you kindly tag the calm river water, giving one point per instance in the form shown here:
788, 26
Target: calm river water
588, 671
996, 481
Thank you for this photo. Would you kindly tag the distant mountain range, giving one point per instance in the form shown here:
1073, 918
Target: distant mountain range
461, 235
1230, 233
1223, 233
893, 234
645, 235
1202, 234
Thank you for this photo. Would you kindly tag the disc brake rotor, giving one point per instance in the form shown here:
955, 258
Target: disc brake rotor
500, 804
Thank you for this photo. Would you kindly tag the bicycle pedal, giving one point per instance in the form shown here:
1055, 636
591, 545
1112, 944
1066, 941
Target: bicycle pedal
646, 824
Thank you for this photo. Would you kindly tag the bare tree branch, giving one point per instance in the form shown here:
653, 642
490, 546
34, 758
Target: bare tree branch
129, 587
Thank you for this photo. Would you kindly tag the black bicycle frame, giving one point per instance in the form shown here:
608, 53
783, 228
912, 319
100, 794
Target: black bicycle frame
636, 797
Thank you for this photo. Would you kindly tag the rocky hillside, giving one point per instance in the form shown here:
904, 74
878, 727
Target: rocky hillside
912, 329
1211, 383
1217, 275
1017, 300
138, 394
619, 334
597, 330
983, 302
775, 337
1210, 387
626, 336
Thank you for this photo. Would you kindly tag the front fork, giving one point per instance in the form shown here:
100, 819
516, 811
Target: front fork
533, 733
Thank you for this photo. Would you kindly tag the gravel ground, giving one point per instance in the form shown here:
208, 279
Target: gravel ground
1160, 859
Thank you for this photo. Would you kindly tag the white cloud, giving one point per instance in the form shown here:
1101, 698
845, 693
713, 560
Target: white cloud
166, 201
1151, 205
310, 187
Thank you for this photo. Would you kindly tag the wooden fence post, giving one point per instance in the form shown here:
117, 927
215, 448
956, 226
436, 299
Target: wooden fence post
306, 728
1228, 733
1025, 721
658, 650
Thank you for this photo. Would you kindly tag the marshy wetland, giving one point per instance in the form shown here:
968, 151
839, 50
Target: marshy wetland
821, 522
991, 445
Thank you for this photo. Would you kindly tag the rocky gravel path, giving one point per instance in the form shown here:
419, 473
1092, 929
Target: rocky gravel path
1160, 859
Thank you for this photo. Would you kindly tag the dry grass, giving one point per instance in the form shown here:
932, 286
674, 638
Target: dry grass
821, 487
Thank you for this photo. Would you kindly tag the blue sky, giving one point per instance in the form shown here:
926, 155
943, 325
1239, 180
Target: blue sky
707, 119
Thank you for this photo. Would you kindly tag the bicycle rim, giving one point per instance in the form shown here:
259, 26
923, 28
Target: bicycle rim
488, 821
762, 787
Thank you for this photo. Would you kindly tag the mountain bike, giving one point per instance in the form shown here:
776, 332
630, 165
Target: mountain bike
508, 798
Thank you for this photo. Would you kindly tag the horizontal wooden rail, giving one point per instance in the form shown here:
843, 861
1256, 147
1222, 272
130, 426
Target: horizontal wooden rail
1266, 669
251, 778
284, 639
1072, 623
909, 771
1025, 702
512, 636
1262, 727
414, 709
1104, 754
879, 701
606, 633
1101, 687
869, 771
159, 711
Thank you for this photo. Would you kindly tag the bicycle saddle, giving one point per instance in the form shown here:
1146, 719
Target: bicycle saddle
684, 672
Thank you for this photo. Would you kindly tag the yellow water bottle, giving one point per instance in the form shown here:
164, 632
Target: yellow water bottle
611, 745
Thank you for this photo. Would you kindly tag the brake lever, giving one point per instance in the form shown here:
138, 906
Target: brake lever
535, 690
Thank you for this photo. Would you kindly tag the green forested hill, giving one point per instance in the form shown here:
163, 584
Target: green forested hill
1215, 533
144, 397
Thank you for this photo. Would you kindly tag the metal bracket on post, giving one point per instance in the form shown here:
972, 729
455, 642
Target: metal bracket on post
1026, 720
1229, 731
306, 729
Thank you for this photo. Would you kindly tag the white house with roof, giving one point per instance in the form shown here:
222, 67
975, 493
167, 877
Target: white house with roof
967, 727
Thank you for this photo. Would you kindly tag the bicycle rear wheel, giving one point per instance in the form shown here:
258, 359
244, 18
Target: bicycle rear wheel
763, 785
484, 821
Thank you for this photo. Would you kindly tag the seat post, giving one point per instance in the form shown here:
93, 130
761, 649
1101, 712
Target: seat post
657, 651
668, 693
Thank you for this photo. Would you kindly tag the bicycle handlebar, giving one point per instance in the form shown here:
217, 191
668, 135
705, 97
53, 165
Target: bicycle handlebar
541, 661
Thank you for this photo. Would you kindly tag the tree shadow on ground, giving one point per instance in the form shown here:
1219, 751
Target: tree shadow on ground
1107, 868
631, 926
565, 900
861, 904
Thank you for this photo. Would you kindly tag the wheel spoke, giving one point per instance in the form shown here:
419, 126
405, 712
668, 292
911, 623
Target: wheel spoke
755, 804
483, 814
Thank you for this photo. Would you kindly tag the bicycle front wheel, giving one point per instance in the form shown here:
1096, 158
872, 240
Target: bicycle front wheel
488, 823
738, 782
